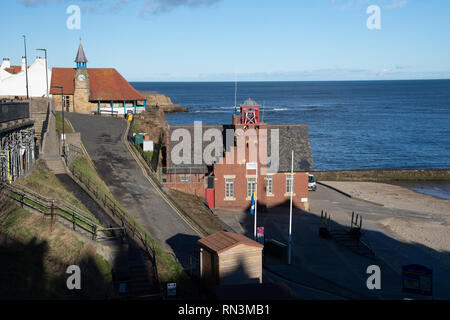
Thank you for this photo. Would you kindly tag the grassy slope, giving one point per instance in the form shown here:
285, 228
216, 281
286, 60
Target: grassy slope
43, 181
168, 268
58, 122
35, 259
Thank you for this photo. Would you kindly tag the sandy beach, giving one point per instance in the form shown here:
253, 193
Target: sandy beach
432, 231
392, 196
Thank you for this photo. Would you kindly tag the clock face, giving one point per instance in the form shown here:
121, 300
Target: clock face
81, 77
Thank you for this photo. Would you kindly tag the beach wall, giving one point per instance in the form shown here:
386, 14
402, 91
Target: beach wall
384, 175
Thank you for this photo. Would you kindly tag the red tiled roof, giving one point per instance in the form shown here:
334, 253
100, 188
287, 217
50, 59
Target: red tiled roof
223, 240
106, 84
14, 69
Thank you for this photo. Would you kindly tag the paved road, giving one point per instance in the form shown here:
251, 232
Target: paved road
316, 260
103, 140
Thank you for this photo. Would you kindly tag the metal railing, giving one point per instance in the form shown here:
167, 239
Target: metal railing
79, 219
128, 222
72, 152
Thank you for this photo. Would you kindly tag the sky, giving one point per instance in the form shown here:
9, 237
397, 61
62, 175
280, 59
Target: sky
247, 40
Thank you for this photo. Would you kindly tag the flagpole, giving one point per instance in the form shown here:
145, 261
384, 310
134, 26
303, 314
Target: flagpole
256, 202
290, 212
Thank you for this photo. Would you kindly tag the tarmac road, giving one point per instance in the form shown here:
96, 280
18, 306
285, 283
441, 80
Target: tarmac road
103, 140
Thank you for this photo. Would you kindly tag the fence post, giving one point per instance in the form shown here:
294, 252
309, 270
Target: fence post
74, 221
94, 236
52, 215
21, 202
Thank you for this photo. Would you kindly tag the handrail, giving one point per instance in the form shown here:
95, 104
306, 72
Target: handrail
52, 207
127, 221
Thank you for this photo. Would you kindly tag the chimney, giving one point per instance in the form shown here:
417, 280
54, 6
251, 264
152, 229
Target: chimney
236, 119
23, 64
6, 63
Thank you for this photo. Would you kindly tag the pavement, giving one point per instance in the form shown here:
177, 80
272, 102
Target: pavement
334, 271
103, 140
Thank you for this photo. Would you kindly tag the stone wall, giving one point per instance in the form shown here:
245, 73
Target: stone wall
384, 175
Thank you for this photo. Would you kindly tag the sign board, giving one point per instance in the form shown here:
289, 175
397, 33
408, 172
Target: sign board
251, 165
304, 199
417, 279
171, 289
260, 235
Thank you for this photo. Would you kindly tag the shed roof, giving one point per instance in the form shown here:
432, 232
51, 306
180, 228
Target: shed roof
223, 240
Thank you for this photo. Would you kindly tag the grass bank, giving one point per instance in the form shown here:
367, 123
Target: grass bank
58, 122
45, 182
35, 259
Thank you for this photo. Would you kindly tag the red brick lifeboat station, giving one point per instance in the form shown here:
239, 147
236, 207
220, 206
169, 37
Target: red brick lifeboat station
250, 157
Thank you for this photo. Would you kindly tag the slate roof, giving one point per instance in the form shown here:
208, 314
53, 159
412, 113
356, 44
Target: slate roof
291, 137
224, 240
190, 168
106, 84
81, 57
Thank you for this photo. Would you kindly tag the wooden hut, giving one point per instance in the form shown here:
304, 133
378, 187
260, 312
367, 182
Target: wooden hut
228, 258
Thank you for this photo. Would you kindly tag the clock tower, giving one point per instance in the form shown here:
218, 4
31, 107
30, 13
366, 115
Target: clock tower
82, 89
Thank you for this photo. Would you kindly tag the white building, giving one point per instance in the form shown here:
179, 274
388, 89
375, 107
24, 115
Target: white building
13, 79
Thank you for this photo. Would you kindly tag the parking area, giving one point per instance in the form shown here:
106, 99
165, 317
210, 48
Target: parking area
317, 261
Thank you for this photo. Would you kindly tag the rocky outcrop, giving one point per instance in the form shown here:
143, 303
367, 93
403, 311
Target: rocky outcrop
162, 102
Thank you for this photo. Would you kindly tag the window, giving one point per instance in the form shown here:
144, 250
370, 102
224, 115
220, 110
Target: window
269, 185
229, 188
289, 184
184, 179
66, 102
251, 186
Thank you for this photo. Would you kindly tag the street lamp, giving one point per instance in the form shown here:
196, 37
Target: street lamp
26, 64
46, 69
62, 108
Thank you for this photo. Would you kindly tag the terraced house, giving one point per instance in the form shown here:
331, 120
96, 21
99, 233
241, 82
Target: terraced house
94, 90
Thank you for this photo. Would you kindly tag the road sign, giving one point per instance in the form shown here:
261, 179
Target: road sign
417, 279
260, 234
251, 165
171, 289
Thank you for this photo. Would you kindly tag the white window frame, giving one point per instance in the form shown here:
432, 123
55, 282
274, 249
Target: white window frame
229, 188
251, 186
289, 183
185, 178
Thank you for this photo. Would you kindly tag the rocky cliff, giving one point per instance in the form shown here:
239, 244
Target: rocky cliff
162, 102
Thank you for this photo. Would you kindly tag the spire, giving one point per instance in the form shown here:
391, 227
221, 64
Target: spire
81, 57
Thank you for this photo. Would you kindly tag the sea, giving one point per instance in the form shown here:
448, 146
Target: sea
402, 124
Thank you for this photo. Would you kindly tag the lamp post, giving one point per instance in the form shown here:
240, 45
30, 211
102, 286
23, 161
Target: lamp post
46, 69
26, 64
62, 108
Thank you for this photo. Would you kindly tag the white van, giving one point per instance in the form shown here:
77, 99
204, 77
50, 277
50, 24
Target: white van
312, 182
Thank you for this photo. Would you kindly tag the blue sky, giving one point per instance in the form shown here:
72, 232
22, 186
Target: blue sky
214, 40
